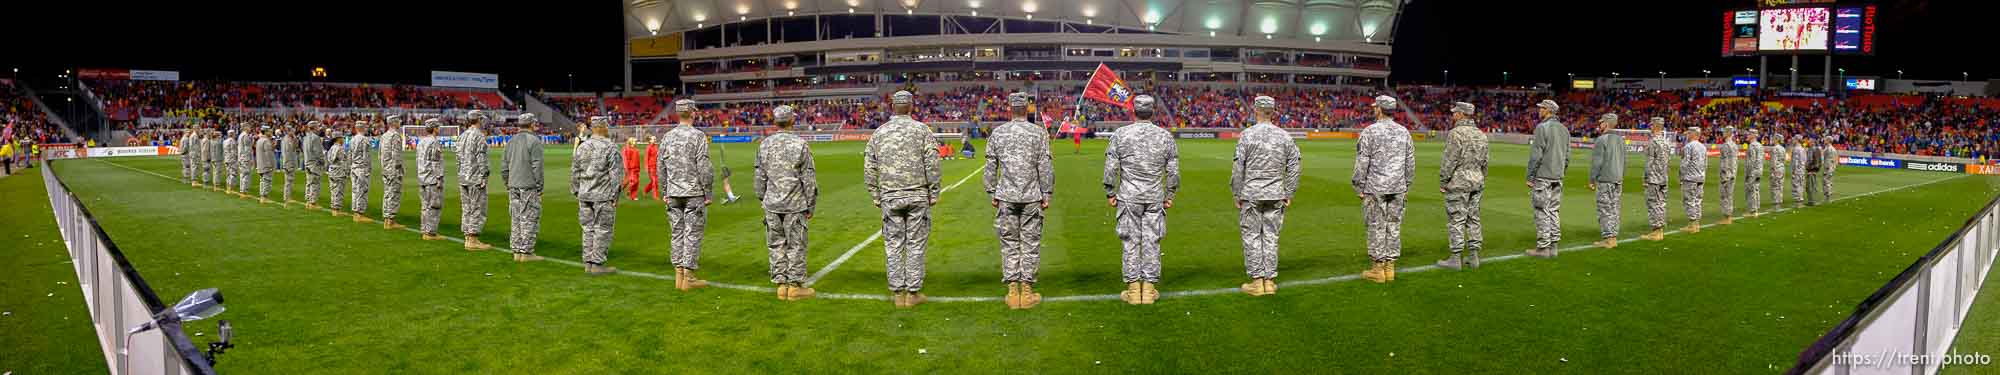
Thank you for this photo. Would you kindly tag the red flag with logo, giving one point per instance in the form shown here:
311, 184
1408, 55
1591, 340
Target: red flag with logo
1106, 87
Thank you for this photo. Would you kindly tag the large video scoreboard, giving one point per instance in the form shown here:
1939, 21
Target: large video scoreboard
1837, 29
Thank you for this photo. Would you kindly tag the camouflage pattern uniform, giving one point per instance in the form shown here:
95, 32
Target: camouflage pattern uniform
246, 153
288, 162
1607, 170
786, 182
430, 183
312, 159
686, 177
218, 160
1726, 184
1815, 166
1462, 174
391, 151
266, 162
229, 165
1780, 157
594, 177
199, 151
1020, 177
1548, 160
521, 168
1385, 163
1801, 157
1659, 153
336, 172
1263, 178
359, 174
1142, 171
1831, 157
187, 157
901, 171
1694, 173
1753, 180
472, 175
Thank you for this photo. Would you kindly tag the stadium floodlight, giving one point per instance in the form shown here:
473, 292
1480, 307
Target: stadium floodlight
975, 12
1317, 29
1899, 74
1270, 25
1152, 17
1614, 74
1031, 16
1966, 75
1029, 7
1090, 21
1705, 73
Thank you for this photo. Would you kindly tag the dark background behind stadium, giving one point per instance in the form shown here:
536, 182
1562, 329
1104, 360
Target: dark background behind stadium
537, 44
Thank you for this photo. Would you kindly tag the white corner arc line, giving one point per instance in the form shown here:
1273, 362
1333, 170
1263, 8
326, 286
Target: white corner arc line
816, 276
1111, 297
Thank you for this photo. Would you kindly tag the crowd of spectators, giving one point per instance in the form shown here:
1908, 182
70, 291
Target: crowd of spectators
21, 120
125, 101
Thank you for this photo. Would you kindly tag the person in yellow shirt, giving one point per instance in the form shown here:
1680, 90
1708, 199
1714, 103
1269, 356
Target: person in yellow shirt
6, 158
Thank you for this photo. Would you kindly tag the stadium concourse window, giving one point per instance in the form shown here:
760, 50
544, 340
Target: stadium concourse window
1371, 62
794, 29
1268, 57
849, 80
747, 33
755, 64
700, 68
1312, 79
1267, 77
1223, 54
1363, 81
709, 37
703, 88
1033, 75
911, 25
976, 25
1032, 53
1316, 60
1197, 54
784, 62
847, 26
752, 85
1211, 77
1026, 27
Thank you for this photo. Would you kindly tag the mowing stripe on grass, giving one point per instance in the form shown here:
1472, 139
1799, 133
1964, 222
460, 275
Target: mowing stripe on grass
876, 236
1108, 297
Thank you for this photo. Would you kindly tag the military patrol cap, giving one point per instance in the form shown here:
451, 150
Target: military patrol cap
1549, 105
1018, 100
684, 105
1385, 102
782, 113
1142, 103
1462, 107
901, 98
1264, 102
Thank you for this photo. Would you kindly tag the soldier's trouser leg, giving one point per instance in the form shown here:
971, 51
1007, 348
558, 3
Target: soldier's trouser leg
285, 194
1384, 216
392, 194
524, 209
1609, 201
1812, 189
688, 217
243, 180
333, 191
1826, 185
1753, 193
1799, 188
312, 188
1691, 199
264, 185
598, 220
1019, 227
1140, 228
1656, 205
431, 207
1462, 225
1778, 189
1726, 197
1547, 201
906, 228
785, 237
472, 208
1260, 222
359, 200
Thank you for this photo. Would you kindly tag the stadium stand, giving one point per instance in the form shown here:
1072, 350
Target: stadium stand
21, 119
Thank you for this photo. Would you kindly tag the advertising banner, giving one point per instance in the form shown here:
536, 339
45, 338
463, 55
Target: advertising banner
1193, 135
105, 74
730, 139
106, 152
1933, 166
461, 79
155, 75
817, 137
1332, 135
852, 137
1861, 161
1982, 169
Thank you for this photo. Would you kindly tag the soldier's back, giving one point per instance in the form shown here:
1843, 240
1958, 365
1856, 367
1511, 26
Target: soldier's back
897, 151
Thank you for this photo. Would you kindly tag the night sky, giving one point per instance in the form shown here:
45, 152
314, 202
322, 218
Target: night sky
401, 41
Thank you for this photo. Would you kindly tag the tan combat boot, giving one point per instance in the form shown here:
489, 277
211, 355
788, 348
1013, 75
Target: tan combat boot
1726, 220
1270, 287
524, 258
902, 300
1029, 299
1131, 293
1013, 296
784, 292
431, 237
1148, 294
1254, 288
362, 218
1692, 228
595, 270
1656, 235
1374, 273
472, 243
916, 298
801, 293
1389, 270
263, 201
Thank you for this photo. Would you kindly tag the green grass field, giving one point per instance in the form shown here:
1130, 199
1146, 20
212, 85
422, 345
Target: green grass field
309, 293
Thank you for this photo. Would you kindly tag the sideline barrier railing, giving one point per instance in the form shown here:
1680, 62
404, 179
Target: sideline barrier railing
117, 297
1907, 326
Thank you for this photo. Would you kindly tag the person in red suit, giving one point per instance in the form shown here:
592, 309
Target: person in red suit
632, 155
652, 169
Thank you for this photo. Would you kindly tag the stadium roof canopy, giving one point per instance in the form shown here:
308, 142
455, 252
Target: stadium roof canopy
1370, 21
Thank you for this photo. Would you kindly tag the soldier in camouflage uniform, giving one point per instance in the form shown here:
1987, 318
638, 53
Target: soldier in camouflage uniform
1141, 176
688, 177
360, 176
198, 138
1801, 158
1385, 163
1548, 160
1607, 178
1020, 178
472, 175
187, 156
267, 161
218, 161
1262, 179
786, 182
1753, 178
900, 169
521, 168
1462, 179
288, 161
1829, 156
1726, 184
229, 165
1694, 173
312, 158
1659, 156
594, 177
336, 170
1815, 165
1780, 157
246, 162
430, 180
390, 146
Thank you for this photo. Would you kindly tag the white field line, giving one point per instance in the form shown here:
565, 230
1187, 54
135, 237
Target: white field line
1110, 297
876, 236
